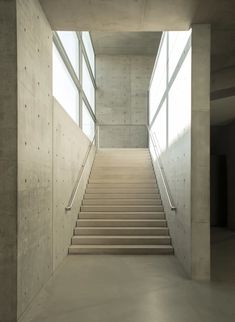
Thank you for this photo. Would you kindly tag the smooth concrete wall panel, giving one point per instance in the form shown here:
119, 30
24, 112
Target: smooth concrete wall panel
121, 98
8, 162
34, 38
116, 136
200, 150
70, 146
176, 161
29, 225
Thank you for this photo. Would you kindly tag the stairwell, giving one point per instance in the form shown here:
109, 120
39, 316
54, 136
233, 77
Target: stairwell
122, 211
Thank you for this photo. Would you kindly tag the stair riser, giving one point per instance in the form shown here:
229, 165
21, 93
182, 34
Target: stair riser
115, 202
122, 211
135, 231
121, 196
120, 216
122, 208
121, 190
121, 223
117, 162
122, 180
122, 171
120, 251
122, 185
127, 176
120, 241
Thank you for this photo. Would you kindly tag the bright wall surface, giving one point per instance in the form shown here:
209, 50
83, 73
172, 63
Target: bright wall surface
74, 76
122, 85
178, 118
169, 119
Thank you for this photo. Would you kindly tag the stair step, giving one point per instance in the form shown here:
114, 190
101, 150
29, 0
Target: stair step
122, 202
122, 185
121, 240
121, 215
122, 180
115, 176
121, 223
116, 171
156, 231
122, 249
121, 196
121, 208
121, 190
122, 211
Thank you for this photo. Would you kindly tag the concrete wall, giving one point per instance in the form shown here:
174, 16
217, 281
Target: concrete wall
8, 162
222, 143
41, 152
176, 161
186, 165
200, 152
69, 149
121, 98
34, 59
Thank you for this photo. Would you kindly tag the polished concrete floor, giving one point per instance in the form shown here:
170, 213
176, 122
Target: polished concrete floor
138, 289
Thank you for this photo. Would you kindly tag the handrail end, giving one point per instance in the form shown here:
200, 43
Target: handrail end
173, 208
68, 208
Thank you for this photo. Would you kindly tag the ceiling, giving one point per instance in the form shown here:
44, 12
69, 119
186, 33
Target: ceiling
222, 110
126, 43
136, 15
112, 23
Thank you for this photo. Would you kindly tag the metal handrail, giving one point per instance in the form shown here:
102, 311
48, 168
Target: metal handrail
168, 194
75, 189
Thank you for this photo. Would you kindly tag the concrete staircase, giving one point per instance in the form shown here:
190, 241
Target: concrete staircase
122, 211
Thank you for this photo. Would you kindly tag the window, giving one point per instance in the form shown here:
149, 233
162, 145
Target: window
88, 125
89, 49
68, 66
70, 43
64, 89
87, 84
170, 88
158, 83
180, 101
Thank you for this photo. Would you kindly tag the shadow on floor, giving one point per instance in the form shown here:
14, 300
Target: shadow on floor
222, 255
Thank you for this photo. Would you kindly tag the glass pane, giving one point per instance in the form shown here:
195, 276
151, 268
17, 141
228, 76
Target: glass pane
88, 125
180, 101
87, 84
159, 128
89, 49
64, 89
158, 84
177, 43
69, 41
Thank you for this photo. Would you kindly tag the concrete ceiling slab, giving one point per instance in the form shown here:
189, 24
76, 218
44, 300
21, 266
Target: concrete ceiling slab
136, 15
126, 43
222, 110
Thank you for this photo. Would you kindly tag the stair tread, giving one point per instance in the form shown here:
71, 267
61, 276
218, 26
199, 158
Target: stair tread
116, 220
124, 212
123, 228
121, 246
120, 236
